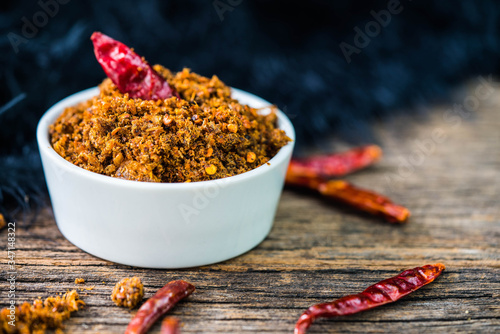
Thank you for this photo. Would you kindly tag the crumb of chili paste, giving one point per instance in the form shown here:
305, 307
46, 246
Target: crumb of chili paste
79, 281
41, 315
205, 135
128, 292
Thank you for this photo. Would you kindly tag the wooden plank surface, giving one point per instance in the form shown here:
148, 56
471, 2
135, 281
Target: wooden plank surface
318, 251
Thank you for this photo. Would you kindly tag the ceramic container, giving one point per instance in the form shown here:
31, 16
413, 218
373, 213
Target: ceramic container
162, 225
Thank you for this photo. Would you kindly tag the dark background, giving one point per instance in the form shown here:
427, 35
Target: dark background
284, 51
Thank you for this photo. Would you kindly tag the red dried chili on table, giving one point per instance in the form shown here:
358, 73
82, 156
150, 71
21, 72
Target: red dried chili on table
364, 200
313, 173
170, 325
337, 164
386, 291
129, 71
159, 304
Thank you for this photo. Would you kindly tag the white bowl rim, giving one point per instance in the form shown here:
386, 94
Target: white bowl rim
52, 113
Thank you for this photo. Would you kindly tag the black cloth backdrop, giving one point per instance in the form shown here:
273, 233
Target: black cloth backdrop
293, 53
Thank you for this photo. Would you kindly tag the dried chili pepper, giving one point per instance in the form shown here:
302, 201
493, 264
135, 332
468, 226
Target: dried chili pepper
386, 291
337, 164
364, 200
128, 71
345, 192
159, 304
313, 173
170, 325
303, 181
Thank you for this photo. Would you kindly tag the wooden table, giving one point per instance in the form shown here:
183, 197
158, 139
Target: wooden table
319, 251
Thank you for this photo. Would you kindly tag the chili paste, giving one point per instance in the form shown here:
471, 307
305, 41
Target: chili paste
203, 135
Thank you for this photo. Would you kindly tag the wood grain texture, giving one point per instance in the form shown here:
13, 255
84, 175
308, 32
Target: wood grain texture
319, 251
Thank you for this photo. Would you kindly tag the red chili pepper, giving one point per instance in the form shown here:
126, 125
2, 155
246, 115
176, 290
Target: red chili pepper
128, 71
337, 164
361, 199
170, 325
364, 200
386, 291
159, 304
303, 181
313, 172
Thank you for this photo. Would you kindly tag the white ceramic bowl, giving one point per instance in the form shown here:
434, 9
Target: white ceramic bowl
162, 225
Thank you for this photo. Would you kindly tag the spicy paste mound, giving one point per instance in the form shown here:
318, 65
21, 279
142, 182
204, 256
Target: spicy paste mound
128, 292
203, 135
41, 315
